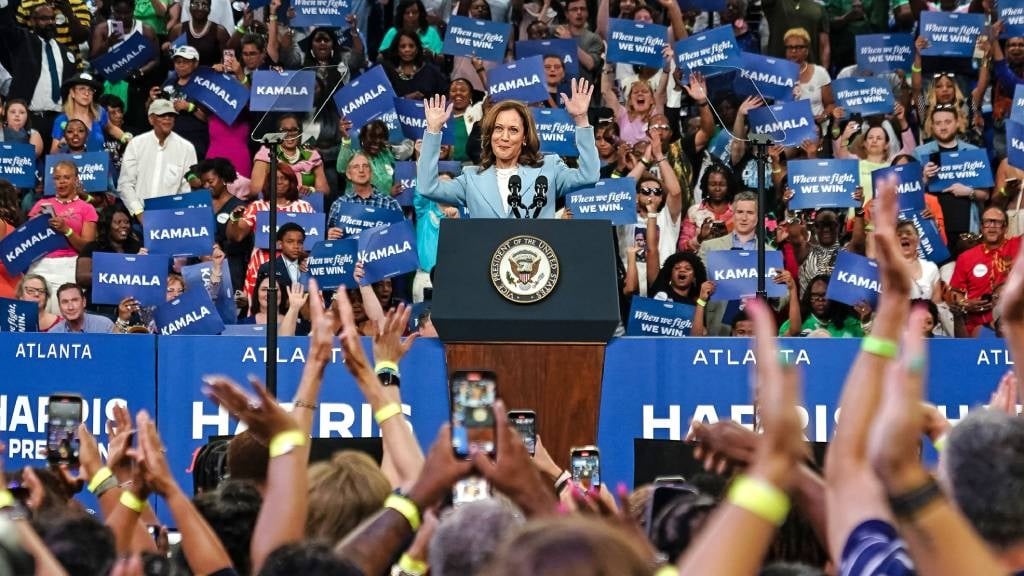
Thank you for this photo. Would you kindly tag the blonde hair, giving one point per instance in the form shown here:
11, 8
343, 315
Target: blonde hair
959, 103
342, 493
799, 32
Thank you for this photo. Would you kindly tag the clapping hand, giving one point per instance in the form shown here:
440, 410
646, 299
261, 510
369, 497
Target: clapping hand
262, 414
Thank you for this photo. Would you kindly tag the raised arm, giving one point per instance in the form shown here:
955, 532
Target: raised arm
1012, 304
428, 185
576, 103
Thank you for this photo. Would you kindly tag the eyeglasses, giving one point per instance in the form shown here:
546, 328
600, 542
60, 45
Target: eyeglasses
34, 291
992, 222
796, 47
817, 296
84, 88
652, 191
171, 290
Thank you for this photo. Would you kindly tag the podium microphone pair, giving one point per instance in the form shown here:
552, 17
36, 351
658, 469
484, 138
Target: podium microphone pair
515, 199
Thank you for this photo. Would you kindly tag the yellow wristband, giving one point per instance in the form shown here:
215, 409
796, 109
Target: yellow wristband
412, 566
132, 502
99, 478
69, 232
759, 498
406, 508
880, 347
386, 366
940, 442
667, 571
285, 442
915, 68
702, 302
389, 411
5, 498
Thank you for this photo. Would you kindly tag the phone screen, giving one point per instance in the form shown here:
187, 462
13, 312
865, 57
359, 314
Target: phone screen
116, 28
65, 414
472, 489
228, 56
472, 415
525, 423
586, 467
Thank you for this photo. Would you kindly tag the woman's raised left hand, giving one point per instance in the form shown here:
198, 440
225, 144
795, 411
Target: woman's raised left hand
578, 102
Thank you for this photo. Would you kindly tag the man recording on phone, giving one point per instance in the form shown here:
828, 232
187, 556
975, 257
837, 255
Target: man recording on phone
981, 271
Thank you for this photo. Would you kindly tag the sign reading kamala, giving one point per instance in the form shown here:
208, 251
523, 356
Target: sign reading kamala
631, 42
702, 5
557, 131
521, 80
825, 183
566, 49
290, 91
734, 273
28, 243
201, 276
414, 121
950, 33
360, 100
388, 251
405, 175
1011, 14
185, 232
610, 199
789, 123
312, 223
929, 243
650, 317
909, 184
1017, 108
354, 217
763, 75
222, 94
865, 96
197, 199
333, 262
18, 164
93, 171
329, 13
1015, 143
885, 52
713, 51
18, 316
131, 54
481, 38
116, 276
854, 280
967, 167
191, 313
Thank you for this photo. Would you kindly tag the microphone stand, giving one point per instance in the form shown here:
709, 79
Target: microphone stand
272, 140
761, 142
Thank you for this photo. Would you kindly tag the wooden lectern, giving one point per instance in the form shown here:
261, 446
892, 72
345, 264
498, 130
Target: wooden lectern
548, 354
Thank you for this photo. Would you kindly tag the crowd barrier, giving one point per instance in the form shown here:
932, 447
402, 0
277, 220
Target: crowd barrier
652, 388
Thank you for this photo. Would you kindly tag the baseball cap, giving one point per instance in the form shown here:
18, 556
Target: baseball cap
186, 52
160, 107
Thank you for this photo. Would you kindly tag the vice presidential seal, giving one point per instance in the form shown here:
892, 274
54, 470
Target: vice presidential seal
524, 269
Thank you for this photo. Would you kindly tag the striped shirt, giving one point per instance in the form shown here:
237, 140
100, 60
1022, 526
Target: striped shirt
78, 7
875, 549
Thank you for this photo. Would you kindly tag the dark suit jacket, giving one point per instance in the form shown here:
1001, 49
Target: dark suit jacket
280, 270
21, 52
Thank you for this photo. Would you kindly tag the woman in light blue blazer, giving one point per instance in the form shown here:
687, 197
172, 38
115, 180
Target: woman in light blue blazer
505, 184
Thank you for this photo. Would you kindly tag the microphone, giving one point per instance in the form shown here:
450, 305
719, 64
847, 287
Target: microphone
515, 185
540, 195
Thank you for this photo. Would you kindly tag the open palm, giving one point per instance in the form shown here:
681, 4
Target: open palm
437, 112
578, 102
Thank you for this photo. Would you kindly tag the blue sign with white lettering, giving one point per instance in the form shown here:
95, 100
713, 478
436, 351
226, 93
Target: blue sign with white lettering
1011, 14
557, 131
650, 317
284, 90
18, 164
360, 101
823, 183
563, 48
405, 175
312, 224
767, 77
789, 123
18, 316
865, 96
909, 180
353, 217
196, 199
132, 53
200, 276
967, 167
221, 93
28, 243
734, 273
631, 42
481, 38
93, 171
329, 13
701, 5
854, 280
951, 33
1017, 108
333, 262
1015, 143
880, 53
710, 52
116, 276
521, 80
413, 120
185, 232
191, 313
388, 251
929, 242
611, 199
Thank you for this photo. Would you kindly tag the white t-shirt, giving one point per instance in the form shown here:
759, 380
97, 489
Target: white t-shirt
922, 287
811, 90
503, 175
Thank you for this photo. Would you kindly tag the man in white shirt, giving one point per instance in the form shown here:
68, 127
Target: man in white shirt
155, 163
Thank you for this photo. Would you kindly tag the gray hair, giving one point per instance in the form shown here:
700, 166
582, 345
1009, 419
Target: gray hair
467, 538
745, 196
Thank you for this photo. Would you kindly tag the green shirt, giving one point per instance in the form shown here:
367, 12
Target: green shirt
430, 38
851, 328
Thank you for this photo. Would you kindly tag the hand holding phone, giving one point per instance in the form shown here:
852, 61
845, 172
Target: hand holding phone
64, 413
472, 411
525, 423
585, 467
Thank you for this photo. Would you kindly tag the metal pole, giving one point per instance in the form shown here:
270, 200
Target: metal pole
761, 143
271, 377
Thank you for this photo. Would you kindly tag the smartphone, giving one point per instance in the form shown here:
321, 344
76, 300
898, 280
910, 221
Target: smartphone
65, 414
228, 56
585, 466
717, 229
116, 28
663, 496
1012, 185
472, 411
47, 209
472, 489
525, 423
935, 158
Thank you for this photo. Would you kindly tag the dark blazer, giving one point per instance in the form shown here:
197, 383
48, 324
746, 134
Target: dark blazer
279, 270
21, 53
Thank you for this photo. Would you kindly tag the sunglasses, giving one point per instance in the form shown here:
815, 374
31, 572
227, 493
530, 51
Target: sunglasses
652, 191
938, 75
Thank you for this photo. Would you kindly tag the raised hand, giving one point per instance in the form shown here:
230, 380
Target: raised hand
437, 111
894, 269
297, 296
325, 325
696, 87
749, 103
262, 414
387, 343
578, 102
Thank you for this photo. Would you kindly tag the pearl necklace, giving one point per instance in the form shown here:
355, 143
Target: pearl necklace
197, 35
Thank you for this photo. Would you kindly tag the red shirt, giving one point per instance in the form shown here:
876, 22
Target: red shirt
981, 270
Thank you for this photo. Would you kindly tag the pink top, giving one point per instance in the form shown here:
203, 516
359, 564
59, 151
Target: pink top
631, 131
304, 167
76, 213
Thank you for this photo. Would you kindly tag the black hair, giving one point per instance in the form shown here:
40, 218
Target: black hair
108, 101
835, 314
70, 286
82, 545
231, 510
717, 167
281, 290
392, 52
220, 166
132, 244
400, 14
933, 310
307, 558
662, 282
289, 227
10, 207
255, 39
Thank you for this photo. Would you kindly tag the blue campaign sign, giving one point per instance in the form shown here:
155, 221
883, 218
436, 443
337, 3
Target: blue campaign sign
284, 90
244, 330
909, 179
701, 5
312, 224
221, 93
388, 251
133, 53
557, 131
881, 53
650, 317
360, 100
865, 96
766, 76
28, 243
183, 39
1017, 108
709, 52
18, 316
734, 273
1011, 14
481, 38
354, 217
184, 232
789, 123
563, 48
18, 164
631, 42
333, 262
854, 280
199, 276
191, 313
93, 171
823, 183
612, 199
330, 13
1015, 143
929, 245
116, 276
196, 199
951, 33
413, 121
968, 167
521, 80
405, 175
